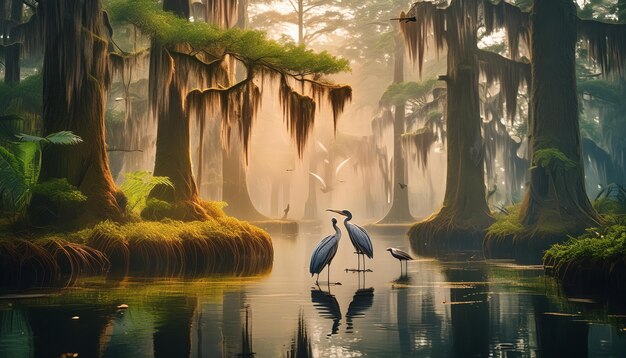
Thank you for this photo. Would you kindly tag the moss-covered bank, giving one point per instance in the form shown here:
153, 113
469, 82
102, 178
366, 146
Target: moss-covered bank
441, 233
593, 261
221, 244
508, 238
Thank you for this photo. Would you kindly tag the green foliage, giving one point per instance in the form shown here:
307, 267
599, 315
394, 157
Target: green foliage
553, 160
403, 92
156, 209
603, 245
27, 96
19, 171
611, 200
138, 185
506, 224
20, 165
58, 138
253, 47
59, 191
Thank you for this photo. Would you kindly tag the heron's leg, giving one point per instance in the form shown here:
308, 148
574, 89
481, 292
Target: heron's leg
363, 262
318, 279
329, 274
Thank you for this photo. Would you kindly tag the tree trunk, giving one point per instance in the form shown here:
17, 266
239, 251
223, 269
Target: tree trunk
310, 207
556, 195
173, 158
465, 215
235, 186
399, 211
76, 78
234, 176
12, 53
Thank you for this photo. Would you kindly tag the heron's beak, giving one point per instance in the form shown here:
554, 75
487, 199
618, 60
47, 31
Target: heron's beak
335, 211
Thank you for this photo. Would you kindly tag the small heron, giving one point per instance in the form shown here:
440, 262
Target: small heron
325, 252
400, 255
358, 236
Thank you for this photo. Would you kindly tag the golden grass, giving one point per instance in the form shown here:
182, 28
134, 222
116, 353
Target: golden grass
221, 244
168, 247
46, 261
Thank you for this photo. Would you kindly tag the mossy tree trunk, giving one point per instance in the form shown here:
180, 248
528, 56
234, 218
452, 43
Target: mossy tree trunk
12, 53
465, 215
556, 194
76, 77
173, 158
399, 211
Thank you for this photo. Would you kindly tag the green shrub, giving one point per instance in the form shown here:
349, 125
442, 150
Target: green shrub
156, 210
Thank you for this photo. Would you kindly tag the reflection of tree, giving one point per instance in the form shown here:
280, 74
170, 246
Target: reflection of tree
361, 301
57, 333
301, 343
559, 335
172, 329
15, 333
470, 312
328, 307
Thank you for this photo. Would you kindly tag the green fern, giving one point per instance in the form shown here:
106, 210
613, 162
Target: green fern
20, 166
138, 185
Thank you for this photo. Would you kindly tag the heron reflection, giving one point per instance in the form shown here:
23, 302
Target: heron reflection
362, 300
327, 305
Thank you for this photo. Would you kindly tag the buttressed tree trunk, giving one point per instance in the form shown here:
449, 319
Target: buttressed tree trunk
173, 158
76, 78
556, 194
464, 215
400, 211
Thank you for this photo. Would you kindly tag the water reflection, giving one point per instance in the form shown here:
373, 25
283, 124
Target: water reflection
300, 346
328, 307
437, 309
362, 300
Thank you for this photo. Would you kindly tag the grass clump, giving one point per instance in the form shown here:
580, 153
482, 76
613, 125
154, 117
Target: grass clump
597, 257
219, 245
507, 223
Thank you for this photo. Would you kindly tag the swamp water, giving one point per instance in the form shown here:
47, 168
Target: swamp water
461, 307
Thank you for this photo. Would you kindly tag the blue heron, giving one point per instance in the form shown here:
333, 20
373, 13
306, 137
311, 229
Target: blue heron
325, 252
359, 237
400, 255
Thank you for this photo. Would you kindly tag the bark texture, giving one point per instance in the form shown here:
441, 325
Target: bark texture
76, 78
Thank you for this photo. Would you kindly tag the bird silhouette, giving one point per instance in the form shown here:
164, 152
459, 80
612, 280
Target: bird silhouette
324, 253
286, 212
400, 255
358, 236
402, 185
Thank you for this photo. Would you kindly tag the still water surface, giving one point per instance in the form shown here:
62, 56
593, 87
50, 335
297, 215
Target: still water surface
461, 307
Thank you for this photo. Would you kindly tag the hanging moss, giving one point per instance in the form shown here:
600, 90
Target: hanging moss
510, 75
419, 143
511, 18
606, 44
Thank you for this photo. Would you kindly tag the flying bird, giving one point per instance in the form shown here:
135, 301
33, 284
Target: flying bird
341, 166
325, 252
400, 255
402, 185
325, 188
358, 236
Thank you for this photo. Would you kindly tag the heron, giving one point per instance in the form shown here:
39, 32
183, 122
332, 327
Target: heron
358, 236
325, 252
400, 255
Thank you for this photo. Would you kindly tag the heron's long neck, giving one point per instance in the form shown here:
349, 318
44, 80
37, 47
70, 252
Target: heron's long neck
337, 231
348, 218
